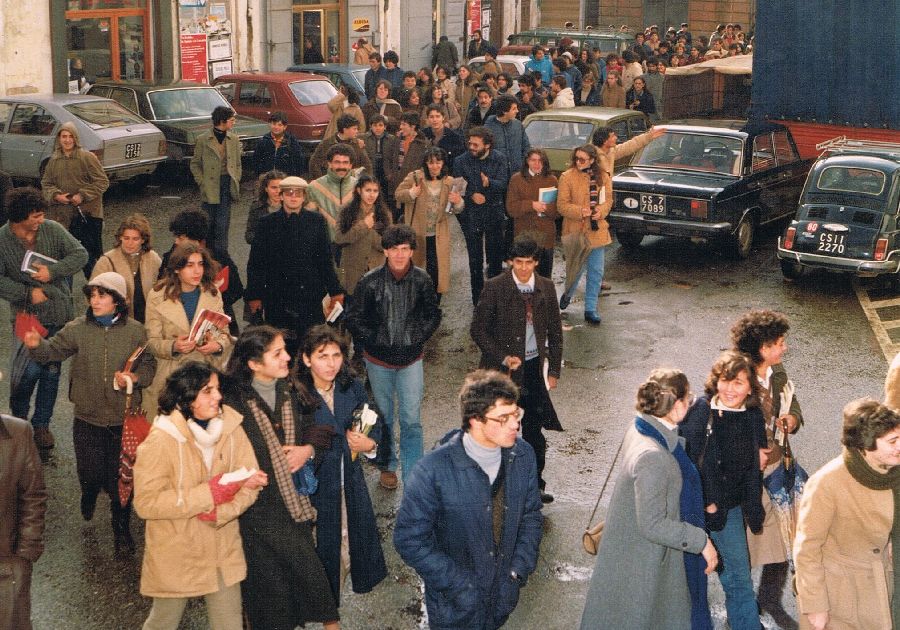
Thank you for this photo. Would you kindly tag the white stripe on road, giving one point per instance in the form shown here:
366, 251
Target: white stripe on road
879, 327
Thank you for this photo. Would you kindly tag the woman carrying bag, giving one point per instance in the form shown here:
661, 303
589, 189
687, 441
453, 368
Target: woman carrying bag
528, 212
648, 573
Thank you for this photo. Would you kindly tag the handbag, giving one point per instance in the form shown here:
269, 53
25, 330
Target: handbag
135, 428
590, 539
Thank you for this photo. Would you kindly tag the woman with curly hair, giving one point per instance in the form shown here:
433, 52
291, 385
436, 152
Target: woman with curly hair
724, 432
761, 336
466, 80
359, 228
268, 200
437, 97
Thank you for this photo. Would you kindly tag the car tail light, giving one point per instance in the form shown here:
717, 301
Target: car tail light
99, 154
789, 238
699, 209
880, 248
162, 147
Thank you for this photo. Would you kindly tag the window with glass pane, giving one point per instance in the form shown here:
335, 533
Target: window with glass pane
763, 153
126, 98
88, 43
255, 94
31, 120
103, 114
91, 5
784, 152
557, 134
313, 92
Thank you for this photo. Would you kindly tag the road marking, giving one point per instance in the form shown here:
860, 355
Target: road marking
884, 319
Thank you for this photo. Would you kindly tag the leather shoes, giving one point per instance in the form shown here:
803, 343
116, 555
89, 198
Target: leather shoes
388, 480
564, 301
592, 318
88, 503
546, 497
605, 286
43, 438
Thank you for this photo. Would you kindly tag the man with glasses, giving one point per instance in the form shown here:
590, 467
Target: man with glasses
290, 270
517, 327
470, 519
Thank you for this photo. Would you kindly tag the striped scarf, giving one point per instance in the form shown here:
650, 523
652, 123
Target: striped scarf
298, 505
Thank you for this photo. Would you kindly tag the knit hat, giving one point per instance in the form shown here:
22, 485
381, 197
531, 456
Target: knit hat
111, 281
293, 182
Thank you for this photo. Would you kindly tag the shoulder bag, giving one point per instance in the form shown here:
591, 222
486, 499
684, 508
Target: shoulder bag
590, 539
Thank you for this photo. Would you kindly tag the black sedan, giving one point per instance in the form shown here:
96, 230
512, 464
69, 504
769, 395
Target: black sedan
714, 181
847, 219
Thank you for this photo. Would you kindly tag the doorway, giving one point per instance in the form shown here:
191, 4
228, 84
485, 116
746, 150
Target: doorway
108, 44
317, 34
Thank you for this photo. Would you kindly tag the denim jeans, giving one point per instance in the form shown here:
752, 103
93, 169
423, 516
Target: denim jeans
740, 601
408, 384
43, 375
219, 216
594, 266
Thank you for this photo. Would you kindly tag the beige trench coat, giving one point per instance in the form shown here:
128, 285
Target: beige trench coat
573, 195
115, 260
206, 165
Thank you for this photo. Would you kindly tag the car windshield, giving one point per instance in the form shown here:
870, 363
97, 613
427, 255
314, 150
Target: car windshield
853, 180
558, 134
692, 152
185, 103
360, 76
103, 114
313, 92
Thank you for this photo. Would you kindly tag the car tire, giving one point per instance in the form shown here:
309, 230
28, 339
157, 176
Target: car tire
791, 270
629, 240
742, 240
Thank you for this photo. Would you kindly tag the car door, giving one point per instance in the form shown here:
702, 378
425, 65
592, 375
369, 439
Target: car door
765, 179
29, 140
254, 99
792, 171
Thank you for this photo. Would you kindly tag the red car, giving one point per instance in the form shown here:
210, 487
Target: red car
303, 97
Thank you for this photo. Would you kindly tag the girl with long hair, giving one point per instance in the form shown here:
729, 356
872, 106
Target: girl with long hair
528, 212
268, 200
360, 226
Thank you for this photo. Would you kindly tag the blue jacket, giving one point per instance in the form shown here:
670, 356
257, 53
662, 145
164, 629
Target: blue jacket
370, 81
511, 140
496, 167
444, 531
545, 66
289, 157
395, 76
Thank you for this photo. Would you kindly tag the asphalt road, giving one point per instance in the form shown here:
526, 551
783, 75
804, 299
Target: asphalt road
671, 304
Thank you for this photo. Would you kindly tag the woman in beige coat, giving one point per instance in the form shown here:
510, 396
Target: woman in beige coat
360, 226
186, 288
193, 542
346, 101
847, 520
134, 259
428, 202
584, 200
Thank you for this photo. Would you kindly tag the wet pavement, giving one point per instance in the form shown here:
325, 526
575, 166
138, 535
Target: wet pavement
671, 304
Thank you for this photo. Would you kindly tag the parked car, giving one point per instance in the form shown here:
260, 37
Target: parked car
608, 40
848, 214
559, 131
303, 97
182, 111
339, 74
715, 181
514, 65
126, 144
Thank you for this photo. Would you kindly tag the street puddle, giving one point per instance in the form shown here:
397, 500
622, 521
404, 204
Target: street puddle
569, 573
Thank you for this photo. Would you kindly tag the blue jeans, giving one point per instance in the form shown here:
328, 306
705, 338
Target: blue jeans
408, 384
43, 375
219, 216
740, 601
594, 265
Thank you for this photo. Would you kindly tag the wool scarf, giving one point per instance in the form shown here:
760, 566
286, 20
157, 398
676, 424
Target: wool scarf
863, 473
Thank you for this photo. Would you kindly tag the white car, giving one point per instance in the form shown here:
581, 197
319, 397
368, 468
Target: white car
514, 65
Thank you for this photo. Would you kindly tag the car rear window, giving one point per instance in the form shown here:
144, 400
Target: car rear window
854, 180
185, 103
558, 134
103, 114
693, 152
313, 92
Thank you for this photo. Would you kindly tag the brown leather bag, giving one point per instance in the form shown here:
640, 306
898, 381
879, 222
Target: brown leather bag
590, 539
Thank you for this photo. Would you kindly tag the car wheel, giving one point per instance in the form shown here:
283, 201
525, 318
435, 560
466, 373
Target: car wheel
742, 240
791, 270
629, 240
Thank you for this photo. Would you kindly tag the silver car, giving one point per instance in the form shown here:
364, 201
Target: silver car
126, 144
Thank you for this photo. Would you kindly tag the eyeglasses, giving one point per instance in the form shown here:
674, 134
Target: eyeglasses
582, 160
516, 415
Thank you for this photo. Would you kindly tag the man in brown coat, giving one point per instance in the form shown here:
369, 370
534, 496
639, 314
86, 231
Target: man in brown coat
23, 502
517, 326
347, 131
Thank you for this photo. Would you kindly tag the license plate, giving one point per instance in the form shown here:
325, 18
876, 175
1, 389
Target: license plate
653, 204
831, 243
132, 150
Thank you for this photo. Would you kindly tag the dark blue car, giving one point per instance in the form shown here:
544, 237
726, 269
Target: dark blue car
339, 74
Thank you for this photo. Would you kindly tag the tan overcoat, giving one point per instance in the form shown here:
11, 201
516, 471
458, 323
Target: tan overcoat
361, 251
892, 385
575, 194
115, 260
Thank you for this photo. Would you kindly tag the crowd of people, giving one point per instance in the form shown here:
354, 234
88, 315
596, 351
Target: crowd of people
251, 478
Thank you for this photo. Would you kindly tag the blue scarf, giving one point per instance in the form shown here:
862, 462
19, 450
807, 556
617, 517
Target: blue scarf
692, 513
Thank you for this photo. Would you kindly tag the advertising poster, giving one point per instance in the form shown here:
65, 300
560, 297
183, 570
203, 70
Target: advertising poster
193, 58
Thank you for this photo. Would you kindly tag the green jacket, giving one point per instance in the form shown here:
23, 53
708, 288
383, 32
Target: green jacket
328, 194
15, 285
98, 354
206, 165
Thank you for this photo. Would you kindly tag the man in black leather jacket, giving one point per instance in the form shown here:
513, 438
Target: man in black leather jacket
393, 312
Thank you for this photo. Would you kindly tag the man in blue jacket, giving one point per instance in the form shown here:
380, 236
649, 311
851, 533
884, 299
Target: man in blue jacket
540, 62
470, 519
487, 174
509, 133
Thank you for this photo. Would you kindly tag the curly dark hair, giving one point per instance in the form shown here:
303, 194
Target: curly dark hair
866, 420
480, 390
350, 213
301, 376
756, 329
727, 368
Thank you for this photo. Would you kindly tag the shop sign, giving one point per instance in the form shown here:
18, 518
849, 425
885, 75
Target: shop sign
193, 58
474, 16
361, 25
219, 48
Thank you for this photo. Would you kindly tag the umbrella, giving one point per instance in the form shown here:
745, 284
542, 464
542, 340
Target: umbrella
785, 486
576, 248
135, 429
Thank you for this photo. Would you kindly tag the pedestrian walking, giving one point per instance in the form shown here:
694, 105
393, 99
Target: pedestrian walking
381, 103
363, 50
100, 344
383, 151
517, 327
477, 45
724, 432
73, 184
655, 554
192, 542
134, 259
279, 149
361, 224
444, 54
475, 546
848, 524
346, 101
529, 213
510, 138
393, 313
216, 167
286, 584
268, 200
347, 134
44, 292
